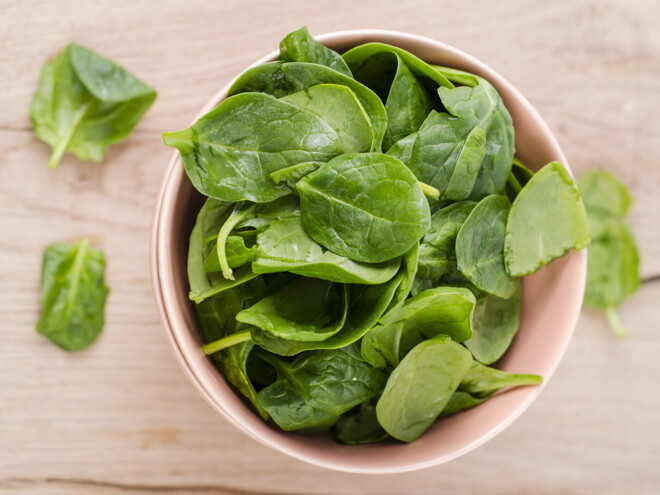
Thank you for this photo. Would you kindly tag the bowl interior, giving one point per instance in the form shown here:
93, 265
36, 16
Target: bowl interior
551, 300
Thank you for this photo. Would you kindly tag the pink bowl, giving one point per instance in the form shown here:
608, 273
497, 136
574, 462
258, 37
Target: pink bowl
551, 299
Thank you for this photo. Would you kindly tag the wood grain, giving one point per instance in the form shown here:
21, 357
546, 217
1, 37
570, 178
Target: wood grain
122, 418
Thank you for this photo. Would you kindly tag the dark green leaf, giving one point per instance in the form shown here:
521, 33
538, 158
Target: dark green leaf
367, 207
84, 103
420, 387
73, 294
402, 149
360, 425
311, 392
299, 46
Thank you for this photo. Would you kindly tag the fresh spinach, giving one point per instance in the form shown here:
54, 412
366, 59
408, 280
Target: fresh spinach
420, 387
480, 244
314, 390
360, 425
84, 103
73, 294
367, 207
613, 261
546, 220
299, 46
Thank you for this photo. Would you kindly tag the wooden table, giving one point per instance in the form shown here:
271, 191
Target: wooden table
122, 418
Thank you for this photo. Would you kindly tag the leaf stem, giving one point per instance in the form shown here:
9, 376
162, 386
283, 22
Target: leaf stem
224, 342
514, 183
61, 146
430, 191
240, 212
615, 322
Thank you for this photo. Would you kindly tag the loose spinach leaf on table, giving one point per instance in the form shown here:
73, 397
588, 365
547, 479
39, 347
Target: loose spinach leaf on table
284, 245
613, 261
480, 244
229, 153
495, 322
420, 387
73, 294
546, 220
84, 103
443, 310
306, 309
367, 207
314, 390
283, 78
300, 46
480, 383
466, 153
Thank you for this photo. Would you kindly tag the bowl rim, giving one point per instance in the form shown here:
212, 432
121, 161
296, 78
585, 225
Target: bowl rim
157, 243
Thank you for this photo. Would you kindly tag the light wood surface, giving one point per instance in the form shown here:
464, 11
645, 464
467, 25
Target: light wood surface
122, 418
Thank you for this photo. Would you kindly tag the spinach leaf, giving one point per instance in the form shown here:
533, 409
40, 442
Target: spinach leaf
612, 271
519, 176
457, 76
443, 310
73, 294
210, 218
240, 212
294, 173
280, 79
437, 253
299, 46
217, 316
466, 153
236, 252
367, 303
480, 383
479, 246
266, 213
408, 270
606, 200
402, 149
315, 389
229, 153
367, 207
546, 220
338, 106
84, 103
495, 322
306, 309
360, 425
420, 387
285, 246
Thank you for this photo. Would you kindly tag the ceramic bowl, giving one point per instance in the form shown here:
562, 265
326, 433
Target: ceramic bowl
551, 299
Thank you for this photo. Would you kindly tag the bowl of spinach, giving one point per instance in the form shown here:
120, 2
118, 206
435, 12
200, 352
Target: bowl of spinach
368, 251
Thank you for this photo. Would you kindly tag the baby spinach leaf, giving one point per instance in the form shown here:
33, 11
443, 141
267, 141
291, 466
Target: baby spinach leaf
519, 176
266, 213
306, 309
367, 207
402, 149
73, 294
408, 271
367, 303
280, 79
229, 153
338, 106
546, 220
480, 383
285, 246
408, 103
315, 389
437, 254
606, 199
360, 425
210, 218
420, 387
479, 246
457, 76
443, 310
240, 212
217, 316
466, 153
299, 46
495, 322
84, 103
612, 271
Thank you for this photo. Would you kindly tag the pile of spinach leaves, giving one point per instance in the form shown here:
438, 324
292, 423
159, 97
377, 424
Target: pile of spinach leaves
356, 265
